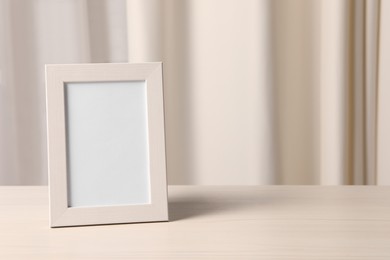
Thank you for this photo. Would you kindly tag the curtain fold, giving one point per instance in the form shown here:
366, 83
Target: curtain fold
383, 96
350, 35
256, 91
32, 34
304, 98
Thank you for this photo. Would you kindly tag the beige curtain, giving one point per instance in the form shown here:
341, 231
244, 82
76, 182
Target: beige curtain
383, 94
265, 92
256, 91
33, 33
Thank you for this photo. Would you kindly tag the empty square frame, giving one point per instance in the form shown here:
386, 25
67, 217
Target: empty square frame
106, 144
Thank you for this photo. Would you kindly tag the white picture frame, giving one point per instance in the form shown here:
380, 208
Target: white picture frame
106, 143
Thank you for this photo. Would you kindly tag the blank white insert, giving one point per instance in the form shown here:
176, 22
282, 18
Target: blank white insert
107, 143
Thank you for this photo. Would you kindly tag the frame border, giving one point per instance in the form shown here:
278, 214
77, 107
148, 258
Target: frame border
56, 76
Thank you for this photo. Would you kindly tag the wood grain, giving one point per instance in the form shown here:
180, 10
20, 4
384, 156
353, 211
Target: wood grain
212, 222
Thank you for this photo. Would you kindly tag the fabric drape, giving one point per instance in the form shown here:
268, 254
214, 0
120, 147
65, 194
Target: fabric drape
35, 33
284, 93
256, 91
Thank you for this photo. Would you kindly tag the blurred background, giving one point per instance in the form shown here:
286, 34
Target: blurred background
256, 91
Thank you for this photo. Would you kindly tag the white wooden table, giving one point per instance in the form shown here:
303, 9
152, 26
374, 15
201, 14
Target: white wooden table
212, 222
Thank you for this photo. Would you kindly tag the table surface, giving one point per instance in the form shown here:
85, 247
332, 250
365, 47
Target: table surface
212, 222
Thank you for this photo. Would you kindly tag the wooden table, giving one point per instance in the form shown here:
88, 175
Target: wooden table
212, 222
